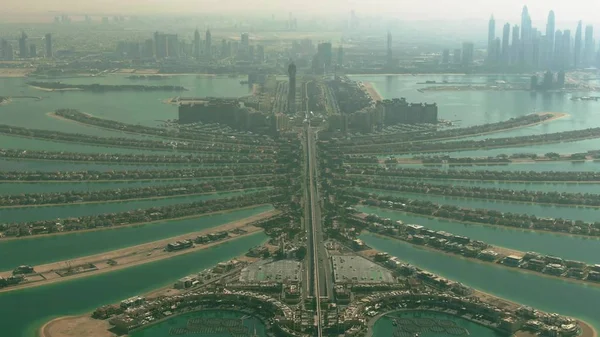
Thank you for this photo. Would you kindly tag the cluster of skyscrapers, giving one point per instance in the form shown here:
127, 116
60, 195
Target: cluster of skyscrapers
528, 47
25, 50
164, 45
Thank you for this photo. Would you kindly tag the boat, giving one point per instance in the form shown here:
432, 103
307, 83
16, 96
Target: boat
395, 322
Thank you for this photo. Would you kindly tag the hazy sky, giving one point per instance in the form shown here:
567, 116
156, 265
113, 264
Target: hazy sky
566, 10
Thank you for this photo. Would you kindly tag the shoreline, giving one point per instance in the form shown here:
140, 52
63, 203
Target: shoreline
484, 199
496, 181
124, 200
497, 249
52, 90
45, 330
134, 251
555, 116
132, 163
484, 224
587, 329
208, 178
462, 149
158, 137
134, 224
372, 91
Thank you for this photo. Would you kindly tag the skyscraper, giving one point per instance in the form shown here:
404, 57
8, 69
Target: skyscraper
32, 51
260, 54
526, 53
505, 44
292, 88
456, 56
566, 46
48, 39
389, 48
516, 45
577, 44
245, 41
172, 45
558, 50
491, 37
446, 56
525, 23
468, 50
589, 47
160, 45
197, 44
340, 56
208, 44
23, 52
550, 31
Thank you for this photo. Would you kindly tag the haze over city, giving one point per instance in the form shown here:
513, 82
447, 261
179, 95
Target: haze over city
400, 9
299, 168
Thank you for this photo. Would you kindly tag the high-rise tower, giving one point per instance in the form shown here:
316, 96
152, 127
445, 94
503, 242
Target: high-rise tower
292, 88
516, 45
197, 44
208, 44
48, 41
589, 47
525, 23
526, 38
550, 32
23, 51
577, 45
566, 46
491, 37
505, 44
559, 51
389, 48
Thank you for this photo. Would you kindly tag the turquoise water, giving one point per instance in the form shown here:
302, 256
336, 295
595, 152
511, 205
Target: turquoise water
129, 106
24, 311
68, 246
519, 186
162, 329
384, 327
544, 293
9, 215
565, 246
468, 108
544, 211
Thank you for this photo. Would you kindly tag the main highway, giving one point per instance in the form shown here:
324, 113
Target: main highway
318, 263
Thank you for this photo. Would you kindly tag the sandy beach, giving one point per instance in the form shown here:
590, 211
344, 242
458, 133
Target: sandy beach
375, 95
136, 255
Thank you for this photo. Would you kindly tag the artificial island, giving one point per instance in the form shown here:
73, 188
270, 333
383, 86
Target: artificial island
310, 205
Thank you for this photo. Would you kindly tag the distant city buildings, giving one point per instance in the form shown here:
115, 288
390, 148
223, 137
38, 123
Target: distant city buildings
468, 52
23, 52
48, 41
531, 49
